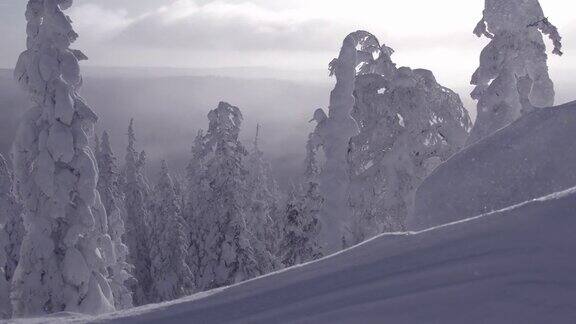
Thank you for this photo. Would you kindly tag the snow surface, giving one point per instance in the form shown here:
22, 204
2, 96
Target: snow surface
515, 265
533, 157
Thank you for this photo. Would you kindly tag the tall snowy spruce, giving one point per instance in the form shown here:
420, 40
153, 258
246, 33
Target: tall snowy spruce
197, 192
335, 131
138, 231
62, 266
406, 125
11, 233
516, 50
263, 213
409, 124
112, 198
11, 210
228, 254
301, 218
11, 221
301, 226
170, 273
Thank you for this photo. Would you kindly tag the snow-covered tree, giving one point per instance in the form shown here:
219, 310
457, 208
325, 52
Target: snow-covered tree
263, 213
5, 306
170, 272
196, 204
516, 49
137, 220
301, 219
301, 226
178, 180
229, 256
112, 199
408, 125
11, 233
11, 217
334, 132
60, 268
361, 53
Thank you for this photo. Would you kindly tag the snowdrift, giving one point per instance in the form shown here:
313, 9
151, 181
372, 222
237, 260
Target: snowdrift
512, 266
533, 157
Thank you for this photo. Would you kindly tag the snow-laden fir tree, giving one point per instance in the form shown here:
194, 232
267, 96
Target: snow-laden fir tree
334, 132
5, 306
197, 194
178, 180
313, 202
171, 275
11, 233
229, 257
408, 125
61, 267
137, 220
292, 233
301, 226
11, 215
516, 49
112, 198
263, 215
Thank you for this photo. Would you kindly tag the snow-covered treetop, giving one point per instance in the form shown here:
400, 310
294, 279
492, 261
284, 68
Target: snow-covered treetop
50, 34
165, 181
516, 16
224, 125
105, 146
256, 141
131, 138
511, 15
371, 56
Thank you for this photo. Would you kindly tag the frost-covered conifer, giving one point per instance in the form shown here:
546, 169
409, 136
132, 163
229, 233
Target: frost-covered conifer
112, 198
178, 180
196, 204
171, 275
360, 54
61, 266
137, 220
11, 233
228, 256
11, 217
516, 50
263, 217
5, 306
301, 226
301, 219
408, 125
334, 132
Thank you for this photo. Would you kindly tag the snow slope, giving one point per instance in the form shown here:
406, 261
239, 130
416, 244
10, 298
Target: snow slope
533, 157
516, 265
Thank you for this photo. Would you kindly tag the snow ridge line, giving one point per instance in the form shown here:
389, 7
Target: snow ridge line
155, 307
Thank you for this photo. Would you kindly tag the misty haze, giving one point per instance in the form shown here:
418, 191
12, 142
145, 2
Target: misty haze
298, 161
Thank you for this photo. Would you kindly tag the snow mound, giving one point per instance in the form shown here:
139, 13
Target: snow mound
511, 266
532, 157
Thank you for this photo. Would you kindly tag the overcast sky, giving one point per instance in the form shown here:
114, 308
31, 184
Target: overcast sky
287, 34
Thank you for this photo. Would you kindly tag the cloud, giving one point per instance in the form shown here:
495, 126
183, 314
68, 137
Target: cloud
237, 25
96, 23
225, 25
